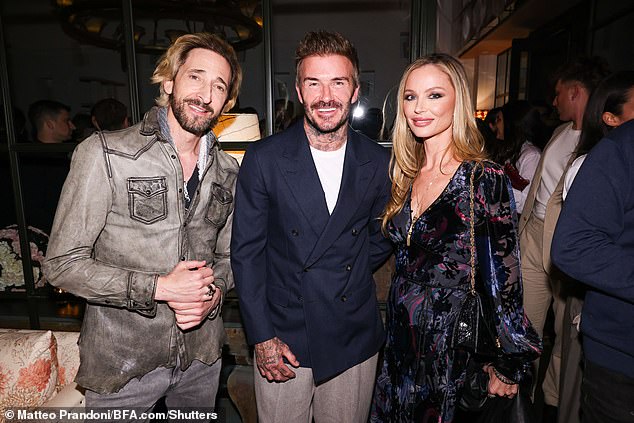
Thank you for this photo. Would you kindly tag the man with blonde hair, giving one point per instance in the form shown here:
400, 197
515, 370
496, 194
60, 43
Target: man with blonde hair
142, 233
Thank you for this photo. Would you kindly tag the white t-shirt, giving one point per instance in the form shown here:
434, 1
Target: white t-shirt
329, 166
571, 173
526, 166
556, 157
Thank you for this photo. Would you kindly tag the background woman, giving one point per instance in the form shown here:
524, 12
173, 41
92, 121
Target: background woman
436, 147
519, 131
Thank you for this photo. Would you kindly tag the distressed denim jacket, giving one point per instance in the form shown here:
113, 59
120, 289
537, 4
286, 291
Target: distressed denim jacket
122, 221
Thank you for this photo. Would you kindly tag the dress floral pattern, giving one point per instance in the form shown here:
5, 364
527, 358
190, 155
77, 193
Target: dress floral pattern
422, 376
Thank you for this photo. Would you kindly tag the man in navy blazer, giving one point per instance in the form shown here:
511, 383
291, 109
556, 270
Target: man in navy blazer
306, 240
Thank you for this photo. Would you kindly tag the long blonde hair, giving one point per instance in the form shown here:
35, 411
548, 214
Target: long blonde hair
408, 153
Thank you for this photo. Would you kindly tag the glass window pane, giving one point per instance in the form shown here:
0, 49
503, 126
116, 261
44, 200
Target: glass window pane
52, 55
11, 273
54, 314
42, 177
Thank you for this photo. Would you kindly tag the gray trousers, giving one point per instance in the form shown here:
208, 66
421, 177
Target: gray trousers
344, 398
195, 388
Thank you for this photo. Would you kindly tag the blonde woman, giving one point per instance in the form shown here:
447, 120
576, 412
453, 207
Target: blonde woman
436, 147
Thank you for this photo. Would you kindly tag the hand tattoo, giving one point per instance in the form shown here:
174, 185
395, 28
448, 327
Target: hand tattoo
269, 353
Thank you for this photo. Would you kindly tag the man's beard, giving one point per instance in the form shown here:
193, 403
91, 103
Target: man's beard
327, 127
194, 125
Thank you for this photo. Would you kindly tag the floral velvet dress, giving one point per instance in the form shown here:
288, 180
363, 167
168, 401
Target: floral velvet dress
422, 375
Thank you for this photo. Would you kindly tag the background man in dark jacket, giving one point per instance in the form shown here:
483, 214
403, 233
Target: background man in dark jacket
594, 243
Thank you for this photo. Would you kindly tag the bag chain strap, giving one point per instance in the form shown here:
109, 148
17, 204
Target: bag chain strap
472, 291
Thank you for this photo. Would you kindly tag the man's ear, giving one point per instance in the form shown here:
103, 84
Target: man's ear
168, 86
574, 91
611, 119
299, 94
49, 124
355, 95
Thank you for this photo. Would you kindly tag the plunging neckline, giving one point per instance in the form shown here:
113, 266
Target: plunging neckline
413, 220
442, 193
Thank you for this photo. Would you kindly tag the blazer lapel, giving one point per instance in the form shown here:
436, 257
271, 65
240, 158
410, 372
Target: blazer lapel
357, 173
298, 169
537, 179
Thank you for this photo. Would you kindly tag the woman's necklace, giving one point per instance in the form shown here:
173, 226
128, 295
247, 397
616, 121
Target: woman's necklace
416, 199
415, 202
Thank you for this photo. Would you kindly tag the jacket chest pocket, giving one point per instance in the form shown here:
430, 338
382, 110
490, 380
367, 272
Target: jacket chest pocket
147, 199
219, 205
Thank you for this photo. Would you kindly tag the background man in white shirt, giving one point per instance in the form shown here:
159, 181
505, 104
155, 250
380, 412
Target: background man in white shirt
542, 284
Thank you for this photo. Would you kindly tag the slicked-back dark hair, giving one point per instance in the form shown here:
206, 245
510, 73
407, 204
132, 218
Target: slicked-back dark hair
588, 71
325, 43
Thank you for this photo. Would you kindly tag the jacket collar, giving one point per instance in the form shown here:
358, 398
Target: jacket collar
301, 175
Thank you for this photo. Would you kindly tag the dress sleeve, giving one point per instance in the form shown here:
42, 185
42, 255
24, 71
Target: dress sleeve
498, 259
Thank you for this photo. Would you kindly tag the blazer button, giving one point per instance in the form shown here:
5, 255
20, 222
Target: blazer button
182, 258
344, 298
348, 268
306, 269
355, 232
294, 232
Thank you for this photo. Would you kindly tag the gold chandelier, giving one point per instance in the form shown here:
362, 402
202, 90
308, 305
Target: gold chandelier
157, 23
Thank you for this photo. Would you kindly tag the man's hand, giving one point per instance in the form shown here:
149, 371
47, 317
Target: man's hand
189, 315
269, 357
188, 282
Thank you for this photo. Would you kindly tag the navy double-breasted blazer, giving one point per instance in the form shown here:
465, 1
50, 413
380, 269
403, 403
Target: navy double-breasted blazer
302, 274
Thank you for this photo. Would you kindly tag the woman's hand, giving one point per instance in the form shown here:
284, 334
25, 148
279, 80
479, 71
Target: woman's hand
497, 386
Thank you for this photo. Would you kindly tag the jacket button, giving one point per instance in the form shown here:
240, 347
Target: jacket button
294, 232
348, 268
180, 190
355, 232
182, 258
306, 269
344, 298
173, 156
185, 225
